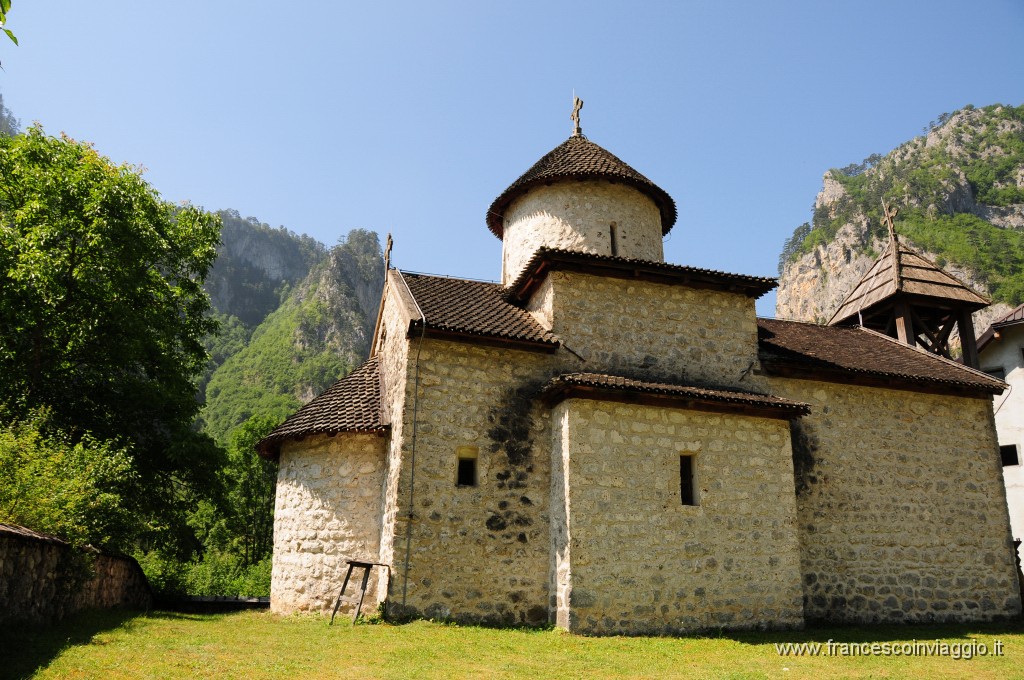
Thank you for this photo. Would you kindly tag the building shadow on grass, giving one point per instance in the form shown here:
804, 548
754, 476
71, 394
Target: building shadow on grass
29, 648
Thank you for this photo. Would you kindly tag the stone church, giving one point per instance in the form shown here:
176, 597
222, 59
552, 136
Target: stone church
618, 445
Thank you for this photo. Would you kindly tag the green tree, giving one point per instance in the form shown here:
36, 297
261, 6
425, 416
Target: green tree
72, 490
5, 7
236, 534
251, 484
102, 313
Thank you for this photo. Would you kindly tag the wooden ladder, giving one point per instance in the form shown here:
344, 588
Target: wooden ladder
354, 599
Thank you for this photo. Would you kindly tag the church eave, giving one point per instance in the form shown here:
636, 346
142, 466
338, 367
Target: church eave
629, 391
550, 259
496, 212
882, 306
476, 338
783, 368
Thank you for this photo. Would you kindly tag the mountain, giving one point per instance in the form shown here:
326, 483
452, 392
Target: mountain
255, 265
255, 268
317, 334
960, 194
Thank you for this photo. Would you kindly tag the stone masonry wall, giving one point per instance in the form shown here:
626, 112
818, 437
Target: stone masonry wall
577, 215
399, 310
475, 554
327, 511
639, 561
901, 506
669, 332
41, 579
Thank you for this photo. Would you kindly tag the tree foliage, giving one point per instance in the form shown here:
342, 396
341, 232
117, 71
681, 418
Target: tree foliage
102, 313
5, 7
235, 534
72, 489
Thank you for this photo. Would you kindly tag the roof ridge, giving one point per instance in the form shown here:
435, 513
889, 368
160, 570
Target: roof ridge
448, 276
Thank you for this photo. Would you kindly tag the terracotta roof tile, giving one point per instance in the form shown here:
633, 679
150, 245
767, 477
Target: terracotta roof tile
561, 387
834, 351
352, 404
579, 158
546, 259
461, 306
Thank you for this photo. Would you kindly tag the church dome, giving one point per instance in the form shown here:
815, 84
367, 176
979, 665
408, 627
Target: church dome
577, 158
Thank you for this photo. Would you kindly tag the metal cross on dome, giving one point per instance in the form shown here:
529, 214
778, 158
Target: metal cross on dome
577, 104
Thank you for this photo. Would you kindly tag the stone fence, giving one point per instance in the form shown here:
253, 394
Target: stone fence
43, 579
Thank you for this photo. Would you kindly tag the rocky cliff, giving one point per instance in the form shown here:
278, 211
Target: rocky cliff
960, 192
319, 333
255, 264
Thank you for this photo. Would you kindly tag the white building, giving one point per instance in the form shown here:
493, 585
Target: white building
1001, 350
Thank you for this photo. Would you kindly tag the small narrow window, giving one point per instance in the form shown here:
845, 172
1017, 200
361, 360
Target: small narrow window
687, 481
614, 238
1009, 455
465, 471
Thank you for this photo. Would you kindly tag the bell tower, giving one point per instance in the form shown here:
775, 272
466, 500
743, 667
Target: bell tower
907, 296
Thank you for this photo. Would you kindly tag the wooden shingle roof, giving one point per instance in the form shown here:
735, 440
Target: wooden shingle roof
901, 270
462, 307
579, 158
352, 404
858, 355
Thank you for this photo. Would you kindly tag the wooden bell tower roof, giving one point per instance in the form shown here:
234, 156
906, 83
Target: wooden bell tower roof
907, 296
902, 272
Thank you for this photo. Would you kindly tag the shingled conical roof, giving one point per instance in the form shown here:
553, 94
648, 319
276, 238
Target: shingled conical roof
901, 270
580, 159
352, 404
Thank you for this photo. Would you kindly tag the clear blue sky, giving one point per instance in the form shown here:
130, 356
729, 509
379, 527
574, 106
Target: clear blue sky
412, 117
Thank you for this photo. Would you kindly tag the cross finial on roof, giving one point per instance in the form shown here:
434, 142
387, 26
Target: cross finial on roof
577, 104
888, 213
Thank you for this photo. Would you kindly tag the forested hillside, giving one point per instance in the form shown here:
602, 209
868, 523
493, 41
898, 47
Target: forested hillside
960, 193
118, 427
317, 334
255, 268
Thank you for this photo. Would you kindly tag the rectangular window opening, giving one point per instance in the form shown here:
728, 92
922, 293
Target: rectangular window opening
615, 242
687, 481
1009, 455
467, 472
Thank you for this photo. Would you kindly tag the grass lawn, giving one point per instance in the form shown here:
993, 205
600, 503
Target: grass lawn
255, 645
